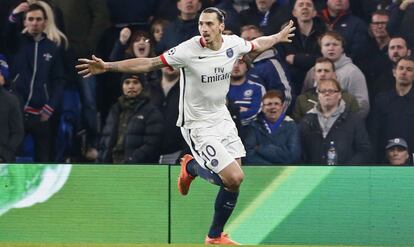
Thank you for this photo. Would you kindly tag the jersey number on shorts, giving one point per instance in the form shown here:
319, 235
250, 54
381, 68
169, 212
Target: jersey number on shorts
209, 154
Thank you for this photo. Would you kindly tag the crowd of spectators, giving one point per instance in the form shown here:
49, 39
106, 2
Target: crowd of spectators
347, 77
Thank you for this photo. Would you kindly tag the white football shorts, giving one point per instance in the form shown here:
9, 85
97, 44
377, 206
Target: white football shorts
215, 147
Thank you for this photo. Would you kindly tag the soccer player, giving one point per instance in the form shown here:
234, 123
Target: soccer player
205, 64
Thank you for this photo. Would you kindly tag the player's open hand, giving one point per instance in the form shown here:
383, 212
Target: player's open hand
286, 33
90, 67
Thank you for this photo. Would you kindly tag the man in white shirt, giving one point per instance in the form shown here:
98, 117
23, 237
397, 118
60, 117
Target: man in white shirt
205, 64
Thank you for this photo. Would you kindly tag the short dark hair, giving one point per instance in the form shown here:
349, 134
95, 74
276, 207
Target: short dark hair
274, 94
221, 14
34, 7
325, 60
406, 58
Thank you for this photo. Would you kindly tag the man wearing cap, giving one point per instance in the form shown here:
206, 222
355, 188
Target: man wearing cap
133, 128
393, 111
397, 152
11, 122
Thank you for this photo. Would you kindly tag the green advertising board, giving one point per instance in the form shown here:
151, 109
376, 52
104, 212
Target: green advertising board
289, 206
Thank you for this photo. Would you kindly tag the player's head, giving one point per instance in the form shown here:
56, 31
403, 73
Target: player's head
211, 24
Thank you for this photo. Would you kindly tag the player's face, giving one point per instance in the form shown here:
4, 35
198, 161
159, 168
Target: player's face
304, 10
239, 69
397, 155
142, 47
397, 48
378, 26
331, 48
272, 108
328, 94
404, 72
210, 28
35, 22
324, 71
131, 87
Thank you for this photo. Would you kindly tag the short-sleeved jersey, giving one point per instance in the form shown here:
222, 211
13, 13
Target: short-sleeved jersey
205, 78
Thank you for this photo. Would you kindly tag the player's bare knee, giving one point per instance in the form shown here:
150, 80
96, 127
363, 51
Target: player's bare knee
234, 181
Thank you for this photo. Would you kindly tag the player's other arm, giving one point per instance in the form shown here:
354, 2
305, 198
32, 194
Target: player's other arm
95, 66
263, 43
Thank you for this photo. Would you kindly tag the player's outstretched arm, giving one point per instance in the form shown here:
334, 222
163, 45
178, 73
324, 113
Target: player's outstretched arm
265, 42
95, 66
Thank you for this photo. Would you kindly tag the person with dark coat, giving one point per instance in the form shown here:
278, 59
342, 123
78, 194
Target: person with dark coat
134, 127
11, 120
393, 110
182, 28
274, 137
302, 53
332, 121
268, 15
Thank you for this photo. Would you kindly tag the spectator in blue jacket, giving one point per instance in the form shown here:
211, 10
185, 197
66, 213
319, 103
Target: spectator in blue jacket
268, 68
38, 77
274, 137
244, 93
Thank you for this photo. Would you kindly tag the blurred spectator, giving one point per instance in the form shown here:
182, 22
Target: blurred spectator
85, 23
165, 94
134, 44
332, 121
157, 29
273, 138
354, 30
349, 76
402, 19
244, 93
377, 50
133, 129
397, 152
393, 111
384, 78
184, 27
364, 8
268, 68
304, 49
6, 7
232, 9
11, 121
324, 69
131, 12
39, 83
268, 15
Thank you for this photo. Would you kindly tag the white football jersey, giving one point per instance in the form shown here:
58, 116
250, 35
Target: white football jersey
204, 78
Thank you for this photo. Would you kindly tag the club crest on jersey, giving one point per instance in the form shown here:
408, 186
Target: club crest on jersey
171, 51
214, 162
248, 93
229, 52
47, 57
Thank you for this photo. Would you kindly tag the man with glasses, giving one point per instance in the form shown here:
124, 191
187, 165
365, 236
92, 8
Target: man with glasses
324, 69
332, 121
